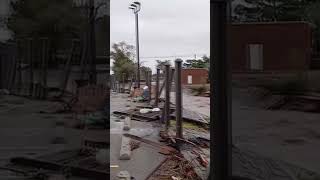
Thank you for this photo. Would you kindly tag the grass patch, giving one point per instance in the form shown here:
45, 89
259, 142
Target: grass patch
188, 125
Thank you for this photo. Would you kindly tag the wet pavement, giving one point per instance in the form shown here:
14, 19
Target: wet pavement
144, 159
26, 132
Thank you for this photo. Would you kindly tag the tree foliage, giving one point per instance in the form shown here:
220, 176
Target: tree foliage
123, 55
272, 10
32, 18
197, 63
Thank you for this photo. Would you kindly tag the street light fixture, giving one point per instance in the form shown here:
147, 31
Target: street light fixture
135, 6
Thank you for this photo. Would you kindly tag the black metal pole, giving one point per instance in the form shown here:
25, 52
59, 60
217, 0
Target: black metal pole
220, 125
150, 84
178, 92
30, 56
157, 88
93, 73
137, 48
167, 97
123, 82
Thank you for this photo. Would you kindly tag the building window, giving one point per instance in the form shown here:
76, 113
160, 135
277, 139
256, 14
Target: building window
255, 56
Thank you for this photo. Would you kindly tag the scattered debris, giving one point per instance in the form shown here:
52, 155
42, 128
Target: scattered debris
134, 145
174, 166
124, 175
203, 143
136, 115
155, 144
76, 163
191, 116
4, 92
155, 109
145, 111
176, 178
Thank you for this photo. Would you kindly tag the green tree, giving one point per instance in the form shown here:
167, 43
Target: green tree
197, 63
123, 56
272, 10
32, 18
57, 20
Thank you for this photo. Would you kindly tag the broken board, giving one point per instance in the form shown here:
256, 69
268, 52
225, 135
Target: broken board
81, 164
136, 115
191, 116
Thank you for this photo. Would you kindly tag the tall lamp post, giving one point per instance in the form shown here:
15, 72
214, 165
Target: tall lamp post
135, 6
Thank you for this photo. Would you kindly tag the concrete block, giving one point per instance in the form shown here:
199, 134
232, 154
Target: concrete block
127, 124
125, 151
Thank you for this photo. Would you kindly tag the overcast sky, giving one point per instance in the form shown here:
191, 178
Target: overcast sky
166, 28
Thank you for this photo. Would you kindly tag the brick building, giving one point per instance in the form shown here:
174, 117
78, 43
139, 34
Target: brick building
191, 76
275, 46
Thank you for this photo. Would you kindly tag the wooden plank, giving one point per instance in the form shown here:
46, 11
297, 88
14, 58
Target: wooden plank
155, 144
75, 170
191, 116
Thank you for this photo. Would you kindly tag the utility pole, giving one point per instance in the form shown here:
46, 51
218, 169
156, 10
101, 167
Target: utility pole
92, 42
221, 128
135, 6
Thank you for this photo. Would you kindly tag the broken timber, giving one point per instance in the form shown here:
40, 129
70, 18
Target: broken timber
136, 115
83, 165
191, 116
152, 143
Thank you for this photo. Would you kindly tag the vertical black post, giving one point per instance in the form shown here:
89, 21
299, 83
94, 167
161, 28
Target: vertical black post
119, 87
178, 98
123, 82
44, 66
150, 84
92, 50
157, 88
138, 53
220, 125
167, 97
20, 48
130, 84
30, 58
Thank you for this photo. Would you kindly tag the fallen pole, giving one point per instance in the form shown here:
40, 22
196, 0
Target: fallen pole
172, 74
178, 92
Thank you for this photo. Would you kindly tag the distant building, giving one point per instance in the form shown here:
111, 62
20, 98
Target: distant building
190, 76
273, 46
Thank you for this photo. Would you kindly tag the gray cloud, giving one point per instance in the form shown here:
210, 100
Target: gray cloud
167, 27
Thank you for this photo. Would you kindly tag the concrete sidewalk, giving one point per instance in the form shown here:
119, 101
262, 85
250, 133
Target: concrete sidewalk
146, 158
